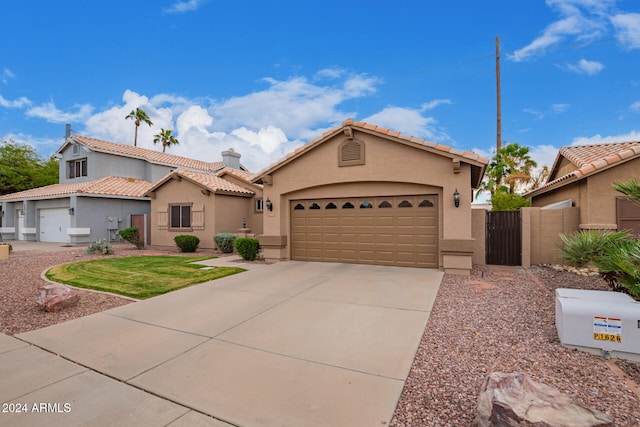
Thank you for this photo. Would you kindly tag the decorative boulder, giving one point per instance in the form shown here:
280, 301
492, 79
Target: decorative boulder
55, 297
515, 399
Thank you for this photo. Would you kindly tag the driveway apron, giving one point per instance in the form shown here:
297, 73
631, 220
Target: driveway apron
289, 344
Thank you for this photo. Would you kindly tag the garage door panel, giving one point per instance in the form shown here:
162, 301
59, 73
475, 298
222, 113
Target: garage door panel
54, 225
385, 230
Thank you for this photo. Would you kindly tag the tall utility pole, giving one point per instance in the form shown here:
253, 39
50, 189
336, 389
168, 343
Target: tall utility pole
498, 102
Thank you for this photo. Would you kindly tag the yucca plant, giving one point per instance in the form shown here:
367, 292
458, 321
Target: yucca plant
587, 246
621, 263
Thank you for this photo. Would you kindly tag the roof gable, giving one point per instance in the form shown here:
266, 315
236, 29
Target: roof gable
206, 180
477, 162
580, 161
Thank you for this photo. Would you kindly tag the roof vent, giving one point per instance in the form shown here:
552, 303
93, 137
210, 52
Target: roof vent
351, 152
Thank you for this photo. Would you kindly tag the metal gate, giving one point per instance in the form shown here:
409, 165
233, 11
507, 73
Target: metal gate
503, 238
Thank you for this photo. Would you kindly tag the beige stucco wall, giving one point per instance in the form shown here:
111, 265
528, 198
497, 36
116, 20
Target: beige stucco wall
593, 195
541, 229
390, 168
222, 213
478, 232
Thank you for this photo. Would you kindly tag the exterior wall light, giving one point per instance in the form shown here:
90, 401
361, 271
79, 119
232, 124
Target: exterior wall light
269, 204
456, 198
71, 211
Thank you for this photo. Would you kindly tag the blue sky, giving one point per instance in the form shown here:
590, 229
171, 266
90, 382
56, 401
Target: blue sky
264, 77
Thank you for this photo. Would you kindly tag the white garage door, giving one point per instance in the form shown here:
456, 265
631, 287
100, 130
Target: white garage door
54, 224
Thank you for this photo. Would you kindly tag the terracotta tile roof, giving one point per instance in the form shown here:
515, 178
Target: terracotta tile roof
106, 186
244, 175
589, 159
369, 127
210, 181
149, 155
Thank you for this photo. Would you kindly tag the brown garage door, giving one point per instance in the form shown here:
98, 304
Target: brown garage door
399, 230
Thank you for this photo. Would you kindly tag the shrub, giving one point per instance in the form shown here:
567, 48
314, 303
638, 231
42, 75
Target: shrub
620, 266
248, 248
586, 246
101, 247
187, 243
132, 235
224, 241
502, 201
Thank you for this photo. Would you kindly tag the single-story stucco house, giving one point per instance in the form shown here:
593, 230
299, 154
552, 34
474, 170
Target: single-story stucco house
204, 204
582, 176
360, 193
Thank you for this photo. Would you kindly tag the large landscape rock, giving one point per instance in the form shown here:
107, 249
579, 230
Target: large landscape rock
55, 297
514, 399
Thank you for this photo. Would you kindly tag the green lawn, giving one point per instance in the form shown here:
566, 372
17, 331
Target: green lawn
138, 276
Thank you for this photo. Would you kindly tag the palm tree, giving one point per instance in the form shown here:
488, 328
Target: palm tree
166, 138
139, 116
630, 188
511, 165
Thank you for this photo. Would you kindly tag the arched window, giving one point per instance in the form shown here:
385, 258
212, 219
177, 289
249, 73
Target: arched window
347, 205
366, 205
425, 204
405, 204
331, 205
314, 206
384, 204
298, 207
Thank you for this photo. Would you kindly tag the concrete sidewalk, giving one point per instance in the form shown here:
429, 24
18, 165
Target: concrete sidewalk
289, 344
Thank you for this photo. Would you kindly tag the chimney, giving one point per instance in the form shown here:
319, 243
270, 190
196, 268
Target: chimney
231, 159
67, 130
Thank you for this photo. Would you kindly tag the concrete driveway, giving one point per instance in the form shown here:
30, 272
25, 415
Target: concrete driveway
289, 344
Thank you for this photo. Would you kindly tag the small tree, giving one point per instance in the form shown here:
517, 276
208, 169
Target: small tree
248, 248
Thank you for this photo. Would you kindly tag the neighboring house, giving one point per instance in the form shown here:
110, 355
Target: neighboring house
101, 187
582, 176
204, 204
364, 194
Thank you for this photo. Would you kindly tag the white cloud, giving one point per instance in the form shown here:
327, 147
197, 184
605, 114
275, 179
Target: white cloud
184, 6
628, 29
586, 67
434, 103
560, 108
599, 139
553, 109
409, 121
6, 75
51, 113
582, 20
16, 103
262, 126
635, 106
543, 154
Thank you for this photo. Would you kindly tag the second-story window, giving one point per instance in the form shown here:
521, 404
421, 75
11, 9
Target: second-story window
77, 168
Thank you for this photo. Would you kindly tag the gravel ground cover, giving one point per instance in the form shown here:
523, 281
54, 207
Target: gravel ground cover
497, 319
502, 319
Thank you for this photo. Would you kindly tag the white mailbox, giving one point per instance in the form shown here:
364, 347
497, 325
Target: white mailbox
599, 322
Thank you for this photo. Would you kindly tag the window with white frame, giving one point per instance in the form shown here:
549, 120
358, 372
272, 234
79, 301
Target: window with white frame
77, 168
259, 205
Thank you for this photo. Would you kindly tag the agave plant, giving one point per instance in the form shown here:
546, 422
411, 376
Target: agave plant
587, 246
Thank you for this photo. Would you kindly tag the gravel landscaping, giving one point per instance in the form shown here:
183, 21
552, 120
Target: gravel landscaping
502, 319
497, 319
